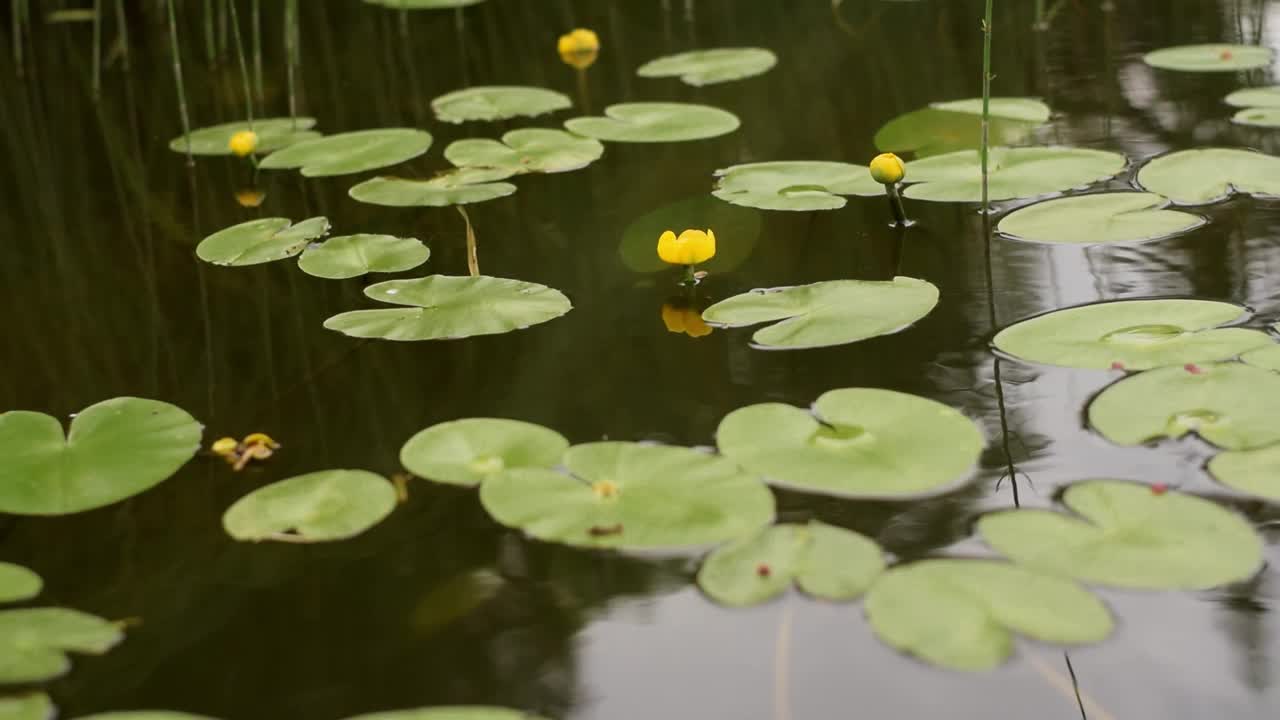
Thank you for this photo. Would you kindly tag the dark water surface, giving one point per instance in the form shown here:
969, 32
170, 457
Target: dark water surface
100, 295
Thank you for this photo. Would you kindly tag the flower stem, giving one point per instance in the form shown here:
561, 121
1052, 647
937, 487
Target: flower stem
895, 204
986, 107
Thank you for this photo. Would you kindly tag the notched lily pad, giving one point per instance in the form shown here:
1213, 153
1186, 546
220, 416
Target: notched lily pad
33, 706
1096, 218
1013, 173
34, 642
459, 187
316, 507
465, 452
1256, 472
18, 583
945, 127
1210, 175
351, 256
351, 152
794, 185
260, 241
709, 67
1210, 57
529, 150
651, 122
273, 134
497, 102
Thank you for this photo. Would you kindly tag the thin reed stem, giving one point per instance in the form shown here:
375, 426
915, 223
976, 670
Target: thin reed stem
257, 52
986, 107
291, 53
244, 68
97, 48
15, 18
122, 33
177, 79
210, 50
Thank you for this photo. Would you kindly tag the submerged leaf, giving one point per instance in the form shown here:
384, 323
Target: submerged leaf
709, 67
34, 642
273, 134
1256, 472
651, 122
18, 583
466, 452
351, 152
1109, 217
794, 185
497, 102
459, 187
351, 256
529, 150
316, 507
1213, 57
957, 125
260, 241
1013, 173
1209, 175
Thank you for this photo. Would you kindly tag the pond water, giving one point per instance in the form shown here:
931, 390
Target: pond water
102, 296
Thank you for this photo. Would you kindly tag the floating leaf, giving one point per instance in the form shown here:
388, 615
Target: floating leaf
1013, 173
34, 642
825, 561
497, 102
1016, 108
709, 67
442, 307
1209, 175
1209, 58
651, 122
35, 706
1131, 335
737, 230
351, 152
460, 187
1231, 405
1267, 358
529, 150
460, 712
114, 450
1265, 97
351, 256
1258, 117
957, 125
1129, 536
961, 614
465, 452
629, 495
1109, 217
273, 134
260, 241
145, 715
794, 185
316, 507
1256, 472
856, 443
18, 583
827, 313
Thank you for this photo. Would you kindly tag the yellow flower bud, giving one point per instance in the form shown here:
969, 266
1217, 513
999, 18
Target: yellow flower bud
888, 169
261, 439
225, 447
579, 48
684, 320
243, 143
690, 248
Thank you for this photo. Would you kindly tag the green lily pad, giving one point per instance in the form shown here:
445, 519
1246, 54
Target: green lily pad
1209, 175
1258, 117
961, 614
736, 229
1264, 97
441, 307
709, 67
1256, 472
498, 102
34, 642
34, 706
1013, 173
459, 187
1129, 535
273, 134
794, 185
1109, 217
1213, 57
651, 122
351, 256
629, 495
857, 443
825, 561
260, 241
528, 150
351, 152
145, 715
18, 583
834, 312
460, 712
465, 452
1131, 335
114, 450
1267, 358
316, 507
1014, 108
957, 125
1231, 405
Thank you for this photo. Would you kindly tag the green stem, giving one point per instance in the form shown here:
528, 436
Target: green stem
690, 278
1040, 19
210, 50
257, 51
122, 32
290, 49
244, 69
986, 107
177, 78
97, 48
895, 204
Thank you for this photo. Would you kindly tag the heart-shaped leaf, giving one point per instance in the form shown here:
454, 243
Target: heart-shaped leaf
465, 452
1211, 57
316, 507
1013, 173
273, 134
33, 706
1267, 358
34, 642
260, 241
351, 152
459, 187
709, 67
1256, 472
794, 185
497, 102
351, 256
651, 122
1109, 217
1209, 175
18, 583
530, 150
945, 127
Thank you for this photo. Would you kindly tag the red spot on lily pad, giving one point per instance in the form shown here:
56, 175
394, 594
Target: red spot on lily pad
763, 570
1117, 365
1226, 55
1193, 368
1159, 489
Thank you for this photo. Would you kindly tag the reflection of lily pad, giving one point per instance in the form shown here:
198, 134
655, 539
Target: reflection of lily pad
316, 507
34, 706
1208, 175
1109, 217
649, 122
1209, 58
113, 450
857, 443
825, 561
1231, 405
827, 313
628, 495
455, 598
709, 67
497, 102
460, 712
528, 150
949, 126
260, 241
961, 614
465, 452
460, 187
442, 307
794, 185
18, 583
1267, 358
1014, 173
351, 256
1256, 472
273, 134
351, 152
1128, 535
1132, 334
34, 642
736, 232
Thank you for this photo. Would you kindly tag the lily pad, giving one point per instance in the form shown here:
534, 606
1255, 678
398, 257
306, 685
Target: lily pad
709, 67
1256, 472
460, 712
34, 642
441, 307
825, 561
316, 507
498, 102
351, 152
460, 187
1132, 335
1109, 217
1258, 117
737, 230
260, 241
273, 134
794, 185
629, 495
1231, 405
1209, 175
465, 452
1214, 57
145, 715
114, 450
18, 583
529, 150
856, 443
1267, 358
1129, 535
652, 122
945, 127
351, 256
834, 312
961, 614
1264, 97
35, 706
1013, 173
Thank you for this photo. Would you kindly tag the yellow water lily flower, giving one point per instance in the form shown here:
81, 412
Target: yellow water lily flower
684, 320
579, 48
888, 169
250, 198
243, 143
261, 439
225, 447
690, 248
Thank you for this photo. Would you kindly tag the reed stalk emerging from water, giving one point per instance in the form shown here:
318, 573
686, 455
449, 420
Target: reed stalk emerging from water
122, 34
177, 79
97, 48
244, 68
291, 54
986, 108
257, 52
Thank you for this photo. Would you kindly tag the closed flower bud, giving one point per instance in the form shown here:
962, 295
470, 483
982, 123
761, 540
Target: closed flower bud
888, 169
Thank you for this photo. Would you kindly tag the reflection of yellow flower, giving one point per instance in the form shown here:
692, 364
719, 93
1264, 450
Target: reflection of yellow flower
579, 48
684, 320
888, 169
250, 198
243, 143
691, 248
